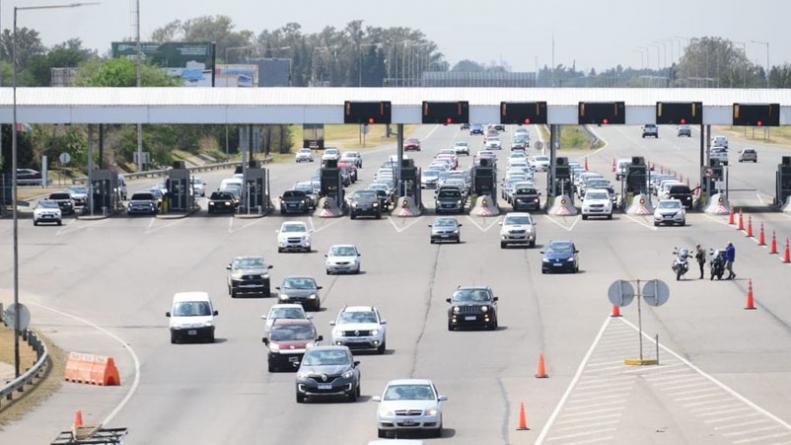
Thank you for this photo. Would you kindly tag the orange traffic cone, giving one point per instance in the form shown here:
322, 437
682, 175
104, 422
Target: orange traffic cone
761, 236
741, 220
749, 226
787, 254
731, 220
616, 311
541, 372
750, 301
522, 426
773, 246
78, 419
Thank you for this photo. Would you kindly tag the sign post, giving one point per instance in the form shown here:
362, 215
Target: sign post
655, 292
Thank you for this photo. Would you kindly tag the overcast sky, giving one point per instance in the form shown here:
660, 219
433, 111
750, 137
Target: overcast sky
596, 34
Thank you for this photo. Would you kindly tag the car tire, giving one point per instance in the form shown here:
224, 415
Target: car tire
431, 241
233, 293
267, 292
279, 250
450, 326
174, 338
532, 244
584, 217
381, 433
60, 223
210, 337
316, 306
357, 272
300, 398
35, 223
382, 348
352, 396
609, 216
576, 268
352, 216
503, 245
458, 240
271, 367
438, 432
329, 272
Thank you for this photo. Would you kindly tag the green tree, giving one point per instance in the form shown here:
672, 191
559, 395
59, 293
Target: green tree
780, 76
120, 73
716, 62
68, 54
218, 29
28, 45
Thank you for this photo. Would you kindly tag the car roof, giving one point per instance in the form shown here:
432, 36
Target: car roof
597, 190
358, 309
248, 257
486, 288
190, 296
342, 245
410, 382
292, 321
294, 222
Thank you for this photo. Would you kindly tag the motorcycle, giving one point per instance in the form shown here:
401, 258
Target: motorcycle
717, 263
681, 263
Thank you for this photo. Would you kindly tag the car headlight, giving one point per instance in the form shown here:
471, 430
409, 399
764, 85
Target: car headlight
348, 374
484, 308
284, 296
303, 375
431, 412
208, 323
376, 204
387, 413
211, 203
456, 232
274, 347
456, 309
312, 297
265, 276
354, 205
310, 345
459, 202
375, 332
570, 259
227, 203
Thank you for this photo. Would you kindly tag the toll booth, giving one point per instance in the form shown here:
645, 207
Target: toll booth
410, 181
255, 192
712, 174
5, 190
180, 197
637, 177
106, 196
563, 184
484, 179
783, 180
332, 182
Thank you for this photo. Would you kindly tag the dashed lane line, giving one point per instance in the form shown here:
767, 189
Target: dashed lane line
405, 226
564, 226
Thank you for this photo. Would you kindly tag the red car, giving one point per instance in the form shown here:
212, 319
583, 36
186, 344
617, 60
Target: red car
411, 144
350, 167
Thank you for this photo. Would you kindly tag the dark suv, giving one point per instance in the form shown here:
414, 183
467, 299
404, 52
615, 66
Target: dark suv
248, 275
288, 339
328, 371
64, 201
525, 198
472, 306
365, 203
294, 201
449, 200
682, 193
222, 202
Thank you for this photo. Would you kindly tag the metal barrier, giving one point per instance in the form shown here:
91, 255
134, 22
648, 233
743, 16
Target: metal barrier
35, 371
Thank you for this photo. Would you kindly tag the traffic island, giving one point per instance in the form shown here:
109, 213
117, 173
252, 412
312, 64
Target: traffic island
328, 208
787, 207
484, 206
562, 206
717, 205
406, 207
640, 206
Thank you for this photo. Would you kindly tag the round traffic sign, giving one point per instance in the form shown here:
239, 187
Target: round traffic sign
64, 158
656, 292
621, 293
10, 316
539, 145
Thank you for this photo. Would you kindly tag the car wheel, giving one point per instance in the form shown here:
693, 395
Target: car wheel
300, 398
233, 293
60, 223
576, 268
431, 241
382, 348
279, 250
357, 271
210, 337
174, 338
450, 326
584, 217
317, 306
35, 223
267, 292
609, 216
352, 216
352, 395
329, 272
382, 433
532, 244
271, 367
458, 240
438, 432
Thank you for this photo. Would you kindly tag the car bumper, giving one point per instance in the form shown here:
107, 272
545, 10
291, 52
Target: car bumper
440, 208
194, 332
370, 211
438, 238
359, 343
292, 246
669, 220
141, 211
415, 423
558, 266
513, 238
336, 268
471, 320
526, 205
596, 211
47, 218
280, 360
313, 388
250, 287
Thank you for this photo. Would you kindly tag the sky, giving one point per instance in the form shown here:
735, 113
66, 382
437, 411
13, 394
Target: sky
588, 33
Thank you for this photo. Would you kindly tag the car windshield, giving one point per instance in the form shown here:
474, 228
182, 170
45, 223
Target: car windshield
304, 150
462, 144
221, 196
78, 189
365, 194
249, 263
343, 251
444, 222
412, 141
192, 309
409, 392
142, 197
293, 228
378, 187
299, 283
560, 247
59, 196
597, 195
431, 174
449, 194
47, 205
472, 296
288, 332
680, 189
305, 187
331, 151
526, 191
517, 220
541, 158
669, 205
290, 313
326, 357
293, 194
357, 317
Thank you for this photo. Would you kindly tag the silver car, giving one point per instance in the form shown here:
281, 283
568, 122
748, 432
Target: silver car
445, 229
342, 258
410, 405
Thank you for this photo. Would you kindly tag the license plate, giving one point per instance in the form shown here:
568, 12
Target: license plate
470, 318
409, 423
192, 332
558, 264
325, 386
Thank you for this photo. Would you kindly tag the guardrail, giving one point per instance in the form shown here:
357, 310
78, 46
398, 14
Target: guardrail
34, 372
164, 171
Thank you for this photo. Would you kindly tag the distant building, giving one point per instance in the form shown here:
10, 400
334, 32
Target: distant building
477, 79
62, 77
273, 72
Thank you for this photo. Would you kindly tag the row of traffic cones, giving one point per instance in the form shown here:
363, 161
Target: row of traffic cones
761, 234
541, 373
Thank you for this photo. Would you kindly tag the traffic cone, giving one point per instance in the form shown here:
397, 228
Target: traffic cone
616, 311
586, 163
541, 372
773, 246
750, 301
522, 426
749, 226
731, 216
741, 220
761, 236
787, 254
77, 419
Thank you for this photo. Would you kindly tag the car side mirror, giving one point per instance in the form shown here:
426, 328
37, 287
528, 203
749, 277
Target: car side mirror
383, 322
270, 266
576, 251
167, 314
325, 255
265, 341
309, 316
461, 225
277, 287
376, 398
496, 299
332, 323
320, 338
228, 267
541, 252
319, 287
216, 313
430, 225
356, 364
442, 398
447, 300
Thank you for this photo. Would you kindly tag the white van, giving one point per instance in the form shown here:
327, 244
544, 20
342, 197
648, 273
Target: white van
719, 141
191, 317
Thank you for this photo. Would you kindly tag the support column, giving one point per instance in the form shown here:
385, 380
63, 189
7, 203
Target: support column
101, 146
400, 156
554, 136
90, 169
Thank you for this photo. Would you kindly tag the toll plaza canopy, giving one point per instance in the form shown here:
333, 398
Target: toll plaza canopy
325, 105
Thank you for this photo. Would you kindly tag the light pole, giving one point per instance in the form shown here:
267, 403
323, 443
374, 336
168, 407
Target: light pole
14, 197
768, 67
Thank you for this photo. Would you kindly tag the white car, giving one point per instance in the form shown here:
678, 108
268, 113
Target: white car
664, 187
622, 168
353, 156
293, 236
461, 148
493, 144
331, 154
191, 316
670, 211
719, 141
47, 211
198, 186
518, 228
360, 328
720, 154
597, 202
304, 155
284, 311
409, 405
342, 258
540, 163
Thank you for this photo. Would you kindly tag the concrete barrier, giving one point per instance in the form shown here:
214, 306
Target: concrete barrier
717, 205
562, 206
484, 205
406, 207
640, 205
328, 208
787, 206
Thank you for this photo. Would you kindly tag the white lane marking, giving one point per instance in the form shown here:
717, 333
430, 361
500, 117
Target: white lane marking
586, 406
563, 226
337, 220
149, 231
739, 425
592, 397
587, 425
230, 224
756, 439
310, 221
70, 229
136, 379
431, 132
704, 412
706, 394
723, 386
594, 440
729, 418
151, 223
642, 223
593, 365
606, 144
604, 416
657, 369
405, 226
585, 433
706, 402
545, 430
754, 430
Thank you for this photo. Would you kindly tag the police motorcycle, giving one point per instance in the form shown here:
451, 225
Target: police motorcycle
681, 262
717, 263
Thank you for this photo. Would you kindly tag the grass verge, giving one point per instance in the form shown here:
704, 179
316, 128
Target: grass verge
348, 136
766, 135
575, 137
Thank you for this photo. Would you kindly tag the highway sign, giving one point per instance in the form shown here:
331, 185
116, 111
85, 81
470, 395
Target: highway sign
64, 158
756, 115
10, 316
656, 292
621, 293
679, 113
366, 112
446, 112
523, 113
601, 113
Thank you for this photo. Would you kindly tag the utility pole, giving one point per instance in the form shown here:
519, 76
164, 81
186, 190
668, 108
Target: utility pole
137, 75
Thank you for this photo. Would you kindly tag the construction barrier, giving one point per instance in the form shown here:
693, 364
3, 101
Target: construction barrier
406, 207
91, 369
328, 208
719, 206
562, 206
640, 206
484, 206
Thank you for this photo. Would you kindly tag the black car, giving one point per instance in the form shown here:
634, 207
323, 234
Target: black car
142, 203
526, 198
294, 201
365, 203
560, 256
222, 202
449, 200
682, 193
64, 201
300, 290
472, 306
248, 275
328, 371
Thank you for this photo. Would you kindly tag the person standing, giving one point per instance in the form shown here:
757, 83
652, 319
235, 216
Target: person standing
730, 257
700, 255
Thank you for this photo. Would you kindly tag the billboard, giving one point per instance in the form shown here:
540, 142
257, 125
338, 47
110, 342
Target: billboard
191, 62
236, 76
273, 72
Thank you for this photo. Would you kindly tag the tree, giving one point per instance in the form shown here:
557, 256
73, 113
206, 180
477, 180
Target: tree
468, 66
68, 54
120, 73
780, 76
218, 29
715, 62
28, 45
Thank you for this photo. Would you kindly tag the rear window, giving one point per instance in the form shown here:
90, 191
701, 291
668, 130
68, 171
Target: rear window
59, 196
142, 197
680, 189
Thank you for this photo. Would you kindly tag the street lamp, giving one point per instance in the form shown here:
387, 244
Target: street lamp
14, 198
